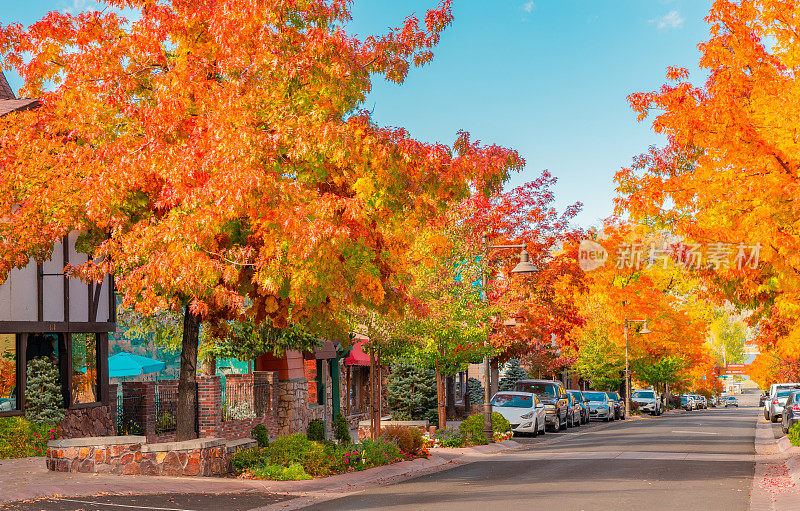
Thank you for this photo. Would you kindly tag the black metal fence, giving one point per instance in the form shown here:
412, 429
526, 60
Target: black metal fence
130, 412
166, 408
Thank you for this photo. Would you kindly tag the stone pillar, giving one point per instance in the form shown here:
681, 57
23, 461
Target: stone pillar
292, 406
209, 405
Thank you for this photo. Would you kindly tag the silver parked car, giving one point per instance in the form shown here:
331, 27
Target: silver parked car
775, 405
772, 395
791, 411
600, 406
523, 410
648, 401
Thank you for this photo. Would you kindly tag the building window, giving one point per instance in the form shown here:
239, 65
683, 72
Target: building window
84, 368
311, 376
8, 373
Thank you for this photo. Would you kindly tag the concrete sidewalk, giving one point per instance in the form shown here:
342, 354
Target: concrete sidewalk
28, 479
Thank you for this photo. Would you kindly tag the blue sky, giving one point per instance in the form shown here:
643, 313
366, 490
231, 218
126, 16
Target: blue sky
546, 77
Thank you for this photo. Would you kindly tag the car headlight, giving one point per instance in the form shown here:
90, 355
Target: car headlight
550, 407
528, 415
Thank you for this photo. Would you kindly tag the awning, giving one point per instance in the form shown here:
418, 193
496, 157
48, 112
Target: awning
357, 356
126, 364
325, 351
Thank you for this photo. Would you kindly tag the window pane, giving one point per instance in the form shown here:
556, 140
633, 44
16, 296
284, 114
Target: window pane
84, 368
8, 372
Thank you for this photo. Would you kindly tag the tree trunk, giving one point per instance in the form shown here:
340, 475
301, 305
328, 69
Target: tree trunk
450, 396
186, 420
467, 397
440, 399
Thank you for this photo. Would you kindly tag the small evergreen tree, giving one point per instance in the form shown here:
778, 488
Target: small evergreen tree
43, 400
412, 393
475, 391
514, 373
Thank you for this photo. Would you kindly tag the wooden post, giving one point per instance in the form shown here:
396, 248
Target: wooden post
379, 388
372, 409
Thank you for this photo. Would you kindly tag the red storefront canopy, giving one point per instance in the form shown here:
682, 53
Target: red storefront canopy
357, 356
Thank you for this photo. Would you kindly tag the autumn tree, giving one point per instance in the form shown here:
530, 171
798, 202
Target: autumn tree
542, 305
216, 159
728, 174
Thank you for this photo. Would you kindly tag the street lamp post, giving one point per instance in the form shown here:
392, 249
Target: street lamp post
524, 266
644, 330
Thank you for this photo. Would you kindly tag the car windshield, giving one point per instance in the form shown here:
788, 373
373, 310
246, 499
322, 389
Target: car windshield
731, 399
578, 397
613, 395
784, 393
644, 394
595, 396
512, 401
540, 389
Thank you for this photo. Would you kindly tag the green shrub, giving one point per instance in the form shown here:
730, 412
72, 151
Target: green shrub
343, 457
472, 427
381, 452
293, 472
451, 437
794, 434
288, 449
499, 423
21, 438
245, 458
260, 434
316, 430
408, 439
341, 430
314, 460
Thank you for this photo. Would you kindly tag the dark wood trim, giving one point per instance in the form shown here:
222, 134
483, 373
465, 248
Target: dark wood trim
65, 260
101, 351
12, 413
39, 292
13, 327
22, 369
65, 343
95, 303
112, 300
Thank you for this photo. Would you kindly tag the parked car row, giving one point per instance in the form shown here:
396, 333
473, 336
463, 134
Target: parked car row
535, 406
782, 404
693, 401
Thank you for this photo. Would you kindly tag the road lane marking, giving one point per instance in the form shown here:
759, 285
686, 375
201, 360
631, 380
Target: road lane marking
695, 432
121, 505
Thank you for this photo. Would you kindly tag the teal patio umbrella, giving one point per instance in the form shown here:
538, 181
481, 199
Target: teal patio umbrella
126, 364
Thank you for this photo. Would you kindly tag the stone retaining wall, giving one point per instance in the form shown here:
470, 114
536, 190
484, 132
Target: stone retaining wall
96, 420
132, 455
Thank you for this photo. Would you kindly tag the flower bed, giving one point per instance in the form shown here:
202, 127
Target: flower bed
295, 457
470, 433
21, 438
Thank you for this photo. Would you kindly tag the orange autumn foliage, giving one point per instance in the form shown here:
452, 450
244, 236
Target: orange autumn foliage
729, 171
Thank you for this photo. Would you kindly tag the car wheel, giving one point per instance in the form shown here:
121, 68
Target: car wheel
773, 418
766, 413
535, 430
544, 428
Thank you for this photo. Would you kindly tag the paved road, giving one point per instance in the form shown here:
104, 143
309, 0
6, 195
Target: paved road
690, 461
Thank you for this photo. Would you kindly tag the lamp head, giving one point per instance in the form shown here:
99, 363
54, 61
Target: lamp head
644, 329
524, 265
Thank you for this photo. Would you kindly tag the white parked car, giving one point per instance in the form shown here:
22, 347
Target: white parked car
522, 409
648, 401
773, 405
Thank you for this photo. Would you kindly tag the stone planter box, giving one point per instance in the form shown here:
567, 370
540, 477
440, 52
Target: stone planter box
364, 427
132, 455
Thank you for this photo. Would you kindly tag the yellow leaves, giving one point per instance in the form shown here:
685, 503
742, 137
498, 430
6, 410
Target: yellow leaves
364, 187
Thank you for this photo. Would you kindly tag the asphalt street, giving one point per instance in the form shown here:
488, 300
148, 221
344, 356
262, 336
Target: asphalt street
696, 460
